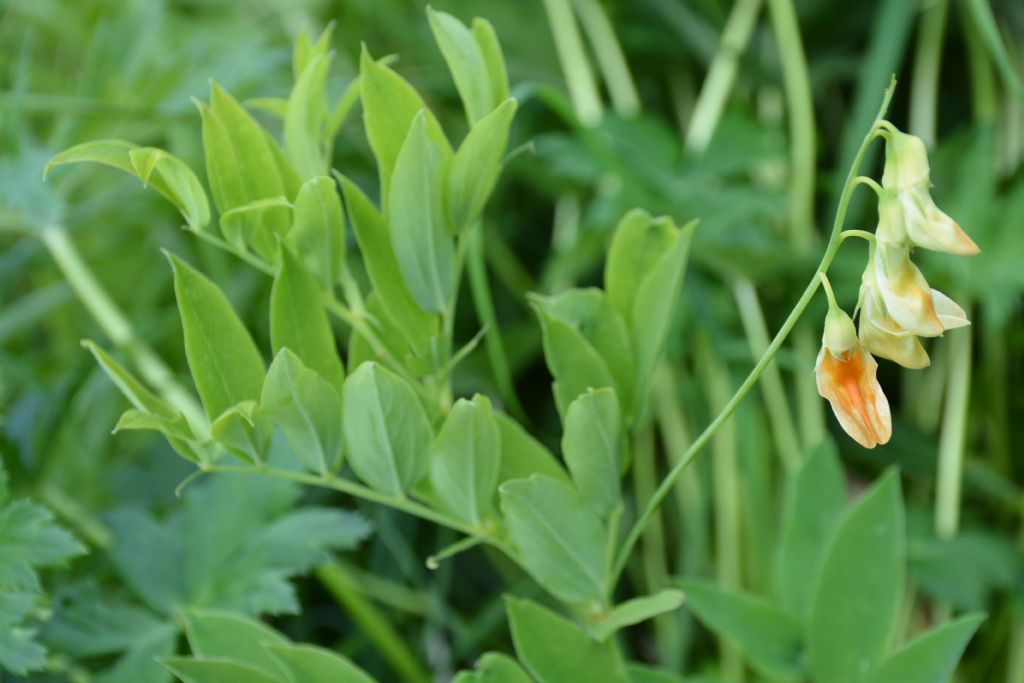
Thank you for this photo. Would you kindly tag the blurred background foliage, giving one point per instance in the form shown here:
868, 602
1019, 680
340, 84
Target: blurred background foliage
762, 181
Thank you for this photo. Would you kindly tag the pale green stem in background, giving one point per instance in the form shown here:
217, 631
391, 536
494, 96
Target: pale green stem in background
800, 104
831, 249
726, 500
609, 55
480, 289
924, 84
118, 328
984, 100
800, 110
721, 74
952, 438
689, 495
655, 569
772, 388
579, 78
371, 623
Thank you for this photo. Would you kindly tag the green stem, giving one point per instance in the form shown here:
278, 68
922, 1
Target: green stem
726, 500
801, 305
951, 440
355, 490
480, 288
117, 327
721, 74
579, 77
774, 391
610, 58
371, 622
655, 569
924, 86
797, 83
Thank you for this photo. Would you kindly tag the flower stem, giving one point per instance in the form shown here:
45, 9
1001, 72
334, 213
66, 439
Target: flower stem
755, 374
117, 327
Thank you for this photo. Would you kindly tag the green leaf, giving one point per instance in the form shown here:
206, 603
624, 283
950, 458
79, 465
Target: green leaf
305, 118
311, 664
258, 224
215, 634
931, 658
140, 661
244, 164
299, 322
476, 165
164, 172
591, 445
307, 409
640, 673
586, 345
815, 499
305, 51
637, 244
555, 650
417, 221
415, 325
465, 62
389, 106
317, 234
227, 368
29, 539
151, 411
769, 638
559, 539
244, 431
487, 41
856, 600
643, 276
215, 671
495, 668
465, 459
522, 455
638, 610
386, 429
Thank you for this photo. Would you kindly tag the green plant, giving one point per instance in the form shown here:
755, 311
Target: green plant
386, 425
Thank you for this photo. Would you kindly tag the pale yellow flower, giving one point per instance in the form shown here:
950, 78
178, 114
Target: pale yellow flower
880, 334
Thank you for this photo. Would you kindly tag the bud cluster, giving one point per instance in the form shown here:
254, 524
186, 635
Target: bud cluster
896, 304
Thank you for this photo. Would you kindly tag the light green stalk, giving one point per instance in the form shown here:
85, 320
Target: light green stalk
579, 78
831, 250
610, 58
772, 388
726, 481
924, 88
117, 327
721, 74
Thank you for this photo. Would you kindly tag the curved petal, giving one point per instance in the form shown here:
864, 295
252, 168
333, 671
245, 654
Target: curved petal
881, 335
949, 312
928, 227
906, 293
852, 388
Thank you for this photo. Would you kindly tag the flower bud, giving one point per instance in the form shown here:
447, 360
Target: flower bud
840, 336
927, 226
907, 296
906, 161
880, 334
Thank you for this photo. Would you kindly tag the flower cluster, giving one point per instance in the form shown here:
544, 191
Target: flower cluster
896, 305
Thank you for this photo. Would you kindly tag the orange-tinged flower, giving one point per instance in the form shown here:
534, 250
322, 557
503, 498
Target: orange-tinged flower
851, 387
880, 334
906, 293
